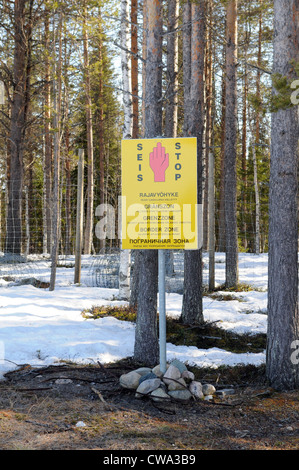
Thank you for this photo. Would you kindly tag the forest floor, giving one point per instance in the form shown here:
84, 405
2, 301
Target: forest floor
39, 411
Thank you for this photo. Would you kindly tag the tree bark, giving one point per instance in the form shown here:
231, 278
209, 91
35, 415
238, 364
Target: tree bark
244, 152
257, 140
101, 125
257, 202
125, 255
171, 107
146, 348
134, 68
282, 366
57, 151
89, 135
48, 140
221, 228
186, 61
208, 120
68, 189
192, 310
126, 70
230, 181
171, 111
13, 242
144, 52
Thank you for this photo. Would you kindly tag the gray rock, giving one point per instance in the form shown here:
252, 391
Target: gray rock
149, 376
159, 395
224, 392
183, 395
179, 365
188, 376
208, 389
147, 386
143, 371
130, 380
179, 384
171, 373
156, 370
63, 381
196, 390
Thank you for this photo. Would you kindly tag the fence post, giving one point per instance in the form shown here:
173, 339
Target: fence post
79, 218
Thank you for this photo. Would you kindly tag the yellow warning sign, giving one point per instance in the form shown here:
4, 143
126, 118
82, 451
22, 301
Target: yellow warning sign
159, 194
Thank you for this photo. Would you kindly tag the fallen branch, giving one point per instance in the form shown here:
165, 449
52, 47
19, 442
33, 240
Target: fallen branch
33, 389
98, 393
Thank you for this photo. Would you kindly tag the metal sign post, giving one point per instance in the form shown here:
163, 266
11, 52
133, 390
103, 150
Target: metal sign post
162, 310
159, 184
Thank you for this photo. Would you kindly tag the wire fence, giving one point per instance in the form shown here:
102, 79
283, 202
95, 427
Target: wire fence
100, 267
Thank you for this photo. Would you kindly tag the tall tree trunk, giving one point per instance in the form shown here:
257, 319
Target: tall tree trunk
230, 182
144, 52
126, 69
13, 242
257, 202
171, 111
48, 139
125, 255
57, 150
186, 61
27, 225
101, 125
89, 135
146, 348
134, 68
192, 309
258, 78
244, 140
68, 189
134, 281
221, 227
29, 189
208, 126
256, 136
283, 317
244, 154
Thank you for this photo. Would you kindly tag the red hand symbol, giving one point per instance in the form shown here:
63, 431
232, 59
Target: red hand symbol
159, 162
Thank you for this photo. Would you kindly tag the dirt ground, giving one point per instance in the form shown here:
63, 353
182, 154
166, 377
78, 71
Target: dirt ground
42, 409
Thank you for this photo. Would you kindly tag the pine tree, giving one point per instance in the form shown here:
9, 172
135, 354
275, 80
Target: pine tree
283, 316
192, 297
146, 347
13, 243
230, 166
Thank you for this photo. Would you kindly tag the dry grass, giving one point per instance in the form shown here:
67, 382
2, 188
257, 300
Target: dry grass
38, 414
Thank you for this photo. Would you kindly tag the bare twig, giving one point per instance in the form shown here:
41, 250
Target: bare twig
98, 393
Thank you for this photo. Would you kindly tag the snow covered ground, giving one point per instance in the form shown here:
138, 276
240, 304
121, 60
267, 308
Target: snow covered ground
40, 327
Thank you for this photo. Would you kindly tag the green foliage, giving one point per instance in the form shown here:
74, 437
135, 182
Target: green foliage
282, 85
282, 98
121, 313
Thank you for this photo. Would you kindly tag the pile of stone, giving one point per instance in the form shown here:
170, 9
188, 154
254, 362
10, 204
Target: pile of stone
176, 383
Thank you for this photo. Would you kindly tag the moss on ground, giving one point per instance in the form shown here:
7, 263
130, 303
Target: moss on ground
202, 336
